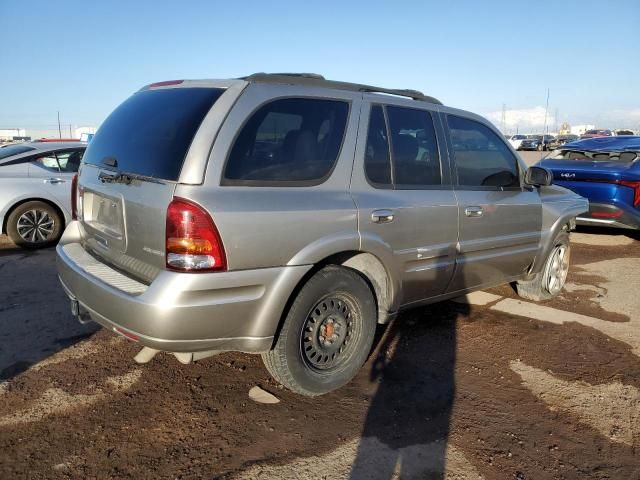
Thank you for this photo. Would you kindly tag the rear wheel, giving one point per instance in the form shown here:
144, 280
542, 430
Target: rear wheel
34, 225
326, 335
550, 281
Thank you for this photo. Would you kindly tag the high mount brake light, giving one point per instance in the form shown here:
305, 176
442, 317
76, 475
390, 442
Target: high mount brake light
193, 243
166, 83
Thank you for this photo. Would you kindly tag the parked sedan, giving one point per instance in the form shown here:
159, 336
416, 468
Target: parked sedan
561, 140
595, 133
606, 171
536, 142
516, 140
35, 190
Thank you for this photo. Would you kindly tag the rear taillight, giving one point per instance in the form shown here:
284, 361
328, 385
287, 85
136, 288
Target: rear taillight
193, 243
636, 190
74, 197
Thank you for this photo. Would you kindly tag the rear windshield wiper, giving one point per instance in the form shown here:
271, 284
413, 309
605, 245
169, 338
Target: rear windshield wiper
126, 178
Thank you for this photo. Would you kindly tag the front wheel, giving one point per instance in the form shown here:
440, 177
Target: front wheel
34, 224
549, 282
327, 333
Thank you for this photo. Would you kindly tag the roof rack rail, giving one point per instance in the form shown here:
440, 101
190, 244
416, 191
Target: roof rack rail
313, 79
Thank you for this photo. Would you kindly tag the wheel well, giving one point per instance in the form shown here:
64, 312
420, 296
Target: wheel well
43, 200
367, 265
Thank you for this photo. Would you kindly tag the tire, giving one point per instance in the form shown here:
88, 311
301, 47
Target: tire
47, 221
540, 287
335, 301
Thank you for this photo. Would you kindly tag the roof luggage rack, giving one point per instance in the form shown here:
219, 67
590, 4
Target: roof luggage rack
315, 80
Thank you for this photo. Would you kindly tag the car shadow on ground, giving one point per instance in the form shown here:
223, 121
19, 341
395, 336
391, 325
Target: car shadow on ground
406, 431
615, 232
35, 318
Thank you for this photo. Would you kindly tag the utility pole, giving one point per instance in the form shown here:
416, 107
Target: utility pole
546, 110
59, 129
70, 135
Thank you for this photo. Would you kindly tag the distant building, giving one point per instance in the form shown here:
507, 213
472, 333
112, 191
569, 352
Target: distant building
7, 134
580, 129
565, 129
81, 130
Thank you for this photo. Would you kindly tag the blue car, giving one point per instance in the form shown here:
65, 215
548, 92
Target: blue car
605, 170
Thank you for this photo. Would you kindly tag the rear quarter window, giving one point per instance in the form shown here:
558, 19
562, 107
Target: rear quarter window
287, 142
150, 133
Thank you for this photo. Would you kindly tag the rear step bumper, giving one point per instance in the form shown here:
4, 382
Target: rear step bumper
179, 312
609, 215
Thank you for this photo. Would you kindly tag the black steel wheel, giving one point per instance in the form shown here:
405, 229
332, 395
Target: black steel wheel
326, 334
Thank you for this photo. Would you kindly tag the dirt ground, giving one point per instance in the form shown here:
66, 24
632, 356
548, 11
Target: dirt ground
453, 390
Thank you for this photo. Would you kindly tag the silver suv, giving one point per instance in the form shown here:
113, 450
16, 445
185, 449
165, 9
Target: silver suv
287, 215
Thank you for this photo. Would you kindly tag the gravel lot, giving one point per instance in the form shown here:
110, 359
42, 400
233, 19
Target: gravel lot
491, 387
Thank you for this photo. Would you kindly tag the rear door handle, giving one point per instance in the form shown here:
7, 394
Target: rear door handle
382, 216
54, 180
473, 211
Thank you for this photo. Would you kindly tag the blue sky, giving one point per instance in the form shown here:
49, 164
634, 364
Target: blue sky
83, 58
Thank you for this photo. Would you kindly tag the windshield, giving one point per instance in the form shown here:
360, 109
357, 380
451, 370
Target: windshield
150, 133
11, 150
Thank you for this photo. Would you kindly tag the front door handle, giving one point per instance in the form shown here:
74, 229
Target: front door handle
473, 211
382, 216
54, 180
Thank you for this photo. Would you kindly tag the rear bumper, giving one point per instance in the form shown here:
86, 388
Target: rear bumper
609, 215
180, 312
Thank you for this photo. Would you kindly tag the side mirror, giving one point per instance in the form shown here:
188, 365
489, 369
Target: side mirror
538, 177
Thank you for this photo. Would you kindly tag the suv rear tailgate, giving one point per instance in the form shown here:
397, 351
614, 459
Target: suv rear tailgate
125, 223
130, 172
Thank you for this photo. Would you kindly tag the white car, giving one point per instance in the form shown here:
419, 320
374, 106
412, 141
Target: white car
516, 140
35, 190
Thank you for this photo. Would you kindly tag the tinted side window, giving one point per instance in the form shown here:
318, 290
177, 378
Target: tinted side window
288, 140
414, 147
377, 164
70, 161
482, 158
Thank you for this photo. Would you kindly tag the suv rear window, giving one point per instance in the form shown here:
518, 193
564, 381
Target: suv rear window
288, 141
150, 133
